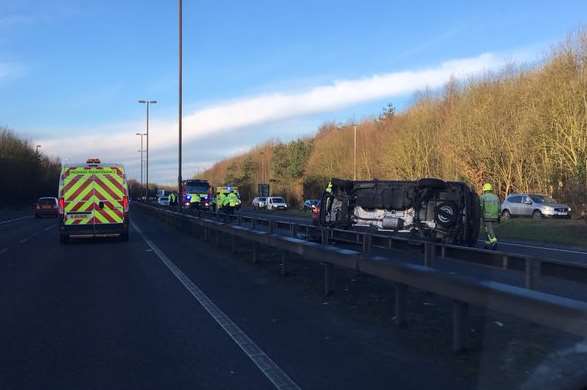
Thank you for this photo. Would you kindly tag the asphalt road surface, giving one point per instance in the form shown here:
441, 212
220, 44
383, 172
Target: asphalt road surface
165, 311
168, 311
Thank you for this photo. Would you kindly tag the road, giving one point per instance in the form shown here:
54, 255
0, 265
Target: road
525, 248
166, 311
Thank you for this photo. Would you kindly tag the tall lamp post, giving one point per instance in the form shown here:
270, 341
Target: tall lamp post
180, 113
148, 103
141, 151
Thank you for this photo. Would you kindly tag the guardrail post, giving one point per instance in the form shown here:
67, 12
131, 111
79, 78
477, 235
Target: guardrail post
328, 278
232, 243
401, 292
253, 223
460, 325
324, 236
505, 261
283, 268
239, 220
532, 273
205, 233
270, 226
429, 254
389, 243
292, 229
255, 252
367, 242
443, 252
307, 233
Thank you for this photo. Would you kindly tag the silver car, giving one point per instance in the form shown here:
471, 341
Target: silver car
533, 205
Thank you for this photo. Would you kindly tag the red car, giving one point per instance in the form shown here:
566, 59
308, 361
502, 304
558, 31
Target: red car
46, 207
316, 213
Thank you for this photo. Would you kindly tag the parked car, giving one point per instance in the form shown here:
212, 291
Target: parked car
316, 214
533, 205
259, 202
276, 203
163, 200
309, 204
46, 207
428, 209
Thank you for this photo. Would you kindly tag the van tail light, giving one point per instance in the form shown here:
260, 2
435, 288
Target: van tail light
125, 203
61, 205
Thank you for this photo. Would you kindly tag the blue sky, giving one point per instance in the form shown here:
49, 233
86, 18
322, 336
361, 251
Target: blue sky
71, 71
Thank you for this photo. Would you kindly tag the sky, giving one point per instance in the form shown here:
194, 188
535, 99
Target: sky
71, 72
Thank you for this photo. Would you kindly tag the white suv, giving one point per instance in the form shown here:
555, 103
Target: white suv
259, 202
276, 203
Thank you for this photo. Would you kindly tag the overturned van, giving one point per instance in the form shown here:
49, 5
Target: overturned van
429, 209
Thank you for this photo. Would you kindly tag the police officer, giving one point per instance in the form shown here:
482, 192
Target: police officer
220, 200
490, 214
233, 200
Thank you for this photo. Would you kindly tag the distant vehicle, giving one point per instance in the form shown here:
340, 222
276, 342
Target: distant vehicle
259, 202
276, 203
93, 201
316, 214
47, 207
196, 194
428, 209
163, 200
533, 205
309, 204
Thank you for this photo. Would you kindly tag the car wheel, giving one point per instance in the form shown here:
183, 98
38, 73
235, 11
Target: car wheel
537, 214
505, 215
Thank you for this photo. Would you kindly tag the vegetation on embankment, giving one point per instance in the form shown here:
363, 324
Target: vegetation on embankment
522, 129
25, 174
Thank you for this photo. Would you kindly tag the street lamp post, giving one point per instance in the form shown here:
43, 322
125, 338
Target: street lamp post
355, 153
141, 151
148, 103
180, 111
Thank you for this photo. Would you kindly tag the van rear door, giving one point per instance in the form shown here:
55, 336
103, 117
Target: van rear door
111, 196
77, 193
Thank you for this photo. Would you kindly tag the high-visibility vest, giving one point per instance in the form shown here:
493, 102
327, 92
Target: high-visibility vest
490, 206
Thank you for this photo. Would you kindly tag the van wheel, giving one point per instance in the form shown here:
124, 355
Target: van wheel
537, 214
505, 215
63, 238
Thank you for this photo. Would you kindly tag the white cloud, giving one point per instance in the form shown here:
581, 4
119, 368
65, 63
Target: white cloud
119, 142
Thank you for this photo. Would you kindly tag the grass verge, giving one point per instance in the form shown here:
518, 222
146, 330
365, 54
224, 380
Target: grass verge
562, 232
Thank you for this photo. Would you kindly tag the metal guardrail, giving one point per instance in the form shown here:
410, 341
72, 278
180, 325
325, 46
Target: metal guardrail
547, 309
532, 267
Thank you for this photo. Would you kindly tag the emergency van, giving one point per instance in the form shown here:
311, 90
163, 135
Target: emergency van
93, 201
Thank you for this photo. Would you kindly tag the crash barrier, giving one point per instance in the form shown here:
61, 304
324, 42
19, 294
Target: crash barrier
532, 267
547, 309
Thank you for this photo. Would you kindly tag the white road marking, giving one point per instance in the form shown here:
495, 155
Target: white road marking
50, 227
23, 240
267, 366
544, 248
15, 219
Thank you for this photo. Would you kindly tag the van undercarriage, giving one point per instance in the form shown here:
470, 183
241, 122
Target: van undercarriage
429, 209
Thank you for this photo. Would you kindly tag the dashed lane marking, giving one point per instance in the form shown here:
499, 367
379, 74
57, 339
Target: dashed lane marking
267, 366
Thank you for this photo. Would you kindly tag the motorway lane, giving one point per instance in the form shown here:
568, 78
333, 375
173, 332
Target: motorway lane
106, 314
17, 232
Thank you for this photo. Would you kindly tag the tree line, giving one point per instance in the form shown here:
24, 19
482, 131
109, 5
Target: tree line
522, 129
25, 174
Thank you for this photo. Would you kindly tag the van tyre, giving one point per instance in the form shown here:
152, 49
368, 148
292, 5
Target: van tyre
124, 236
537, 214
432, 183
